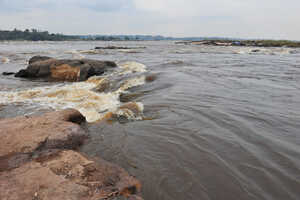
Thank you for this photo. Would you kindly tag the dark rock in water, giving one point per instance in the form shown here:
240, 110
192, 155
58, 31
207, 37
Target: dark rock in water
38, 58
8, 73
22, 73
151, 77
64, 70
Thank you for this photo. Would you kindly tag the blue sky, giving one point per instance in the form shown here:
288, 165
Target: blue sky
275, 19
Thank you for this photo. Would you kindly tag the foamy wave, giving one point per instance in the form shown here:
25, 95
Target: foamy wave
82, 97
266, 51
5, 60
75, 54
92, 51
132, 67
130, 51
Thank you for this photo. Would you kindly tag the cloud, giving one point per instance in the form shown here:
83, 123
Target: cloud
96, 5
230, 18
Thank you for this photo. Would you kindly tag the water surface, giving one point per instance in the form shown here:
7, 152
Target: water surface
219, 122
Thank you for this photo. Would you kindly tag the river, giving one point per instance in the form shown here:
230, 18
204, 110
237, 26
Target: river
216, 123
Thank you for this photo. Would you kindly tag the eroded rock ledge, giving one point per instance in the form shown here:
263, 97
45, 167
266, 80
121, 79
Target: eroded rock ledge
38, 161
64, 69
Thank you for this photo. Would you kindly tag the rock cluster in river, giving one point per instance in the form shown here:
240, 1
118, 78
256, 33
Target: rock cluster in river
38, 161
64, 69
119, 47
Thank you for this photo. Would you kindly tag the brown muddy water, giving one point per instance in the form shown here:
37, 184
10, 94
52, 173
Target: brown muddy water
216, 123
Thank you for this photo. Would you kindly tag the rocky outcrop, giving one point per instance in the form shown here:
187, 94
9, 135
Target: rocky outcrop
118, 47
38, 161
249, 43
67, 175
51, 130
64, 70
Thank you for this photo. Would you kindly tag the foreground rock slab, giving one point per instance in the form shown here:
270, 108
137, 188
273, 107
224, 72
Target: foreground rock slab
64, 69
27, 134
67, 175
38, 162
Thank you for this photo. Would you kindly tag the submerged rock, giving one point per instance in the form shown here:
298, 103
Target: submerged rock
64, 70
8, 73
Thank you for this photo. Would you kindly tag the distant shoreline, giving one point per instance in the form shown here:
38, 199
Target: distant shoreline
36, 35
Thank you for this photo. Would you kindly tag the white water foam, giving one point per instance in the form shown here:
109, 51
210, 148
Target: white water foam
75, 54
266, 51
80, 96
131, 67
5, 60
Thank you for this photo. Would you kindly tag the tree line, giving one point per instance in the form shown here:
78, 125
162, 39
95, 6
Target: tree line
33, 35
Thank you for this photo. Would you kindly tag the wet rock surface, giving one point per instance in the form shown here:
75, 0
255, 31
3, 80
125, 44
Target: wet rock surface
64, 69
38, 161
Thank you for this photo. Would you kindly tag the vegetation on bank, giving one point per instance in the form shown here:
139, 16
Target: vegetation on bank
37, 35
33, 35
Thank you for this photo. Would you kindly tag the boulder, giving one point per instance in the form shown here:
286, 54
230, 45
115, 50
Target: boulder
52, 130
64, 69
67, 175
38, 58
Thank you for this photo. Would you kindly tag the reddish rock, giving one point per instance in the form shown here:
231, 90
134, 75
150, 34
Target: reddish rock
64, 70
36, 165
67, 175
27, 134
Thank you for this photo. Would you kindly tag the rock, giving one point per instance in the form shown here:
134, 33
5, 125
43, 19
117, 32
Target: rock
38, 58
104, 86
255, 50
151, 78
32, 181
64, 70
35, 162
117, 47
21, 73
31, 133
67, 175
8, 73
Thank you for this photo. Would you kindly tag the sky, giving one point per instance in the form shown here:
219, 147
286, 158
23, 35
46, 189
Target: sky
255, 19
